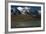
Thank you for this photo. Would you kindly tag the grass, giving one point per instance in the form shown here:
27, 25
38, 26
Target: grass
24, 21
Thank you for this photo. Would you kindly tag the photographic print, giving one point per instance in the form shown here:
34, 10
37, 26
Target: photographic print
25, 16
